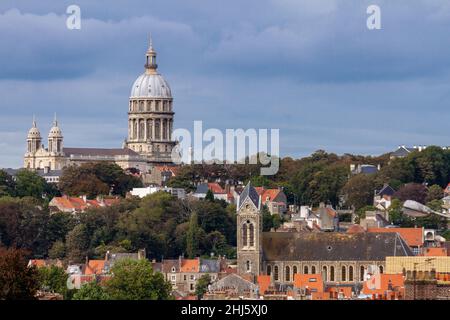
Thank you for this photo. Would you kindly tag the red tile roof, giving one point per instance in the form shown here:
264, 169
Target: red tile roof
269, 195
309, 281
94, 267
190, 265
412, 236
264, 283
355, 228
215, 188
435, 252
380, 283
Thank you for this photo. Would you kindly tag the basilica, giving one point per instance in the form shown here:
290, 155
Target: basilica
150, 125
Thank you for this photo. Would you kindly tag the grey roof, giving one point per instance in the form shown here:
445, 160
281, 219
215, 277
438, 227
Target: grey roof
368, 168
233, 281
99, 152
402, 152
386, 190
324, 246
209, 265
150, 86
249, 192
10, 171
202, 188
168, 264
51, 173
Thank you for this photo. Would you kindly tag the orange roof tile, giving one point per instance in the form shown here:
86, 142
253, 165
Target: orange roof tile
309, 281
412, 236
215, 187
380, 283
435, 252
264, 283
355, 228
37, 263
269, 195
190, 265
94, 267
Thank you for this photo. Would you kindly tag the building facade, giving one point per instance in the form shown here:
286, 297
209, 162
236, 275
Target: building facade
150, 125
341, 259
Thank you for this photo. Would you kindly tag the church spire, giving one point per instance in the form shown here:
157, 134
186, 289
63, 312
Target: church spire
34, 121
55, 120
150, 64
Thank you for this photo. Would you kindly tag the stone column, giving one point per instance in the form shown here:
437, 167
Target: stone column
153, 129
161, 121
145, 129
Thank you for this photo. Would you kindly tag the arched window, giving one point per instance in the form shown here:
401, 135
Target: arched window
275, 273
313, 270
149, 130
288, 274
381, 269
324, 273
331, 273
361, 274
269, 270
350, 273
157, 129
305, 270
252, 235
244, 234
294, 270
344, 273
248, 266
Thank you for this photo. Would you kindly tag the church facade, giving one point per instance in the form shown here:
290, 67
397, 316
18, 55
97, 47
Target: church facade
341, 259
150, 125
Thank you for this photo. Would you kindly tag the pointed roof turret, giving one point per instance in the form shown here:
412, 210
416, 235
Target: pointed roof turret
34, 131
251, 193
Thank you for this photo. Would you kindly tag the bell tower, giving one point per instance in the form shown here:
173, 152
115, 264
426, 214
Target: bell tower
249, 228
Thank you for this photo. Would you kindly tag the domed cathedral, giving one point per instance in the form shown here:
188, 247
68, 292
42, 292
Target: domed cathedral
150, 114
37, 157
249, 230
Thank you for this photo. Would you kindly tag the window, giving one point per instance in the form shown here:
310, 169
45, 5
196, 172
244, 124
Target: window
288, 273
361, 274
344, 273
248, 266
244, 234
192, 277
312, 280
331, 273
381, 269
252, 235
350, 273
174, 278
275, 273
269, 270
173, 269
325, 273
305, 270
313, 270
192, 287
294, 270
185, 277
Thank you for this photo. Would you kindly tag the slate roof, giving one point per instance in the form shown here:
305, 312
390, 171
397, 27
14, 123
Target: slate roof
249, 192
368, 169
287, 246
402, 152
233, 281
99, 152
202, 188
209, 265
387, 190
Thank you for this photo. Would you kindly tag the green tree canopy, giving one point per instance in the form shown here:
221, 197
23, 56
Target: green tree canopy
135, 280
91, 291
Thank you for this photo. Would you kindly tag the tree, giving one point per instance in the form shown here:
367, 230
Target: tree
359, 190
58, 250
435, 192
29, 183
53, 279
396, 215
412, 191
202, 285
7, 184
91, 291
192, 237
209, 196
77, 243
17, 281
135, 280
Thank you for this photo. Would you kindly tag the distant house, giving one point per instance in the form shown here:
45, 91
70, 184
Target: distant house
232, 286
414, 237
364, 169
374, 219
403, 151
382, 198
79, 204
160, 175
328, 218
218, 192
180, 193
385, 285
50, 176
274, 199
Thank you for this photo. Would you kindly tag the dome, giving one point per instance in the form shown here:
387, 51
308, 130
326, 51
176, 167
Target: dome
55, 131
150, 86
34, 131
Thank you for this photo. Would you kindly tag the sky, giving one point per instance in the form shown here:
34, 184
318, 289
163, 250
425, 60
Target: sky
309, 68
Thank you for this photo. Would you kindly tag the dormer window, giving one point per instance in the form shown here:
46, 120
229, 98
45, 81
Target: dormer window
173, 269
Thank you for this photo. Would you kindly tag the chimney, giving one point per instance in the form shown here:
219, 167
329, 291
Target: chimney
46, 170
